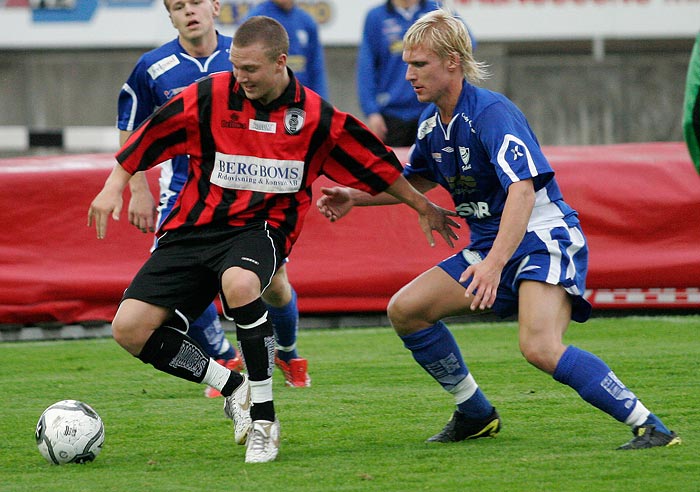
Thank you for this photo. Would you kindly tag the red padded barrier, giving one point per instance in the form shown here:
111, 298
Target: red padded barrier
639, 205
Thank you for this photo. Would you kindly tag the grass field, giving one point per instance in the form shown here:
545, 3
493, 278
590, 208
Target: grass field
362, 424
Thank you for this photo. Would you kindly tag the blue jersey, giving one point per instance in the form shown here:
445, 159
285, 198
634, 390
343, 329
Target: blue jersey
381, 72
158, 76
305, 56
487, 146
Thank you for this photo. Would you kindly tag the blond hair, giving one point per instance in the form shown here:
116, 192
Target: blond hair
445, 34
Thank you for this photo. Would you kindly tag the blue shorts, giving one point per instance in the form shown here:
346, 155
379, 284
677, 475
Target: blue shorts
557, 256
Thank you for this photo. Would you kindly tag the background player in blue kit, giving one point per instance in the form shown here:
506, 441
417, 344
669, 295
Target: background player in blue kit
527, 253
385, 96
306, 57
199, 50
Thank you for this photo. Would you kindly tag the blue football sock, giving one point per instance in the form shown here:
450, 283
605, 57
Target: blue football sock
595, 382
285, 321
477, 406
653, 419
436, 351
209, 334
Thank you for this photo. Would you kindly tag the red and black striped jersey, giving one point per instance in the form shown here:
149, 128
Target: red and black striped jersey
251, 162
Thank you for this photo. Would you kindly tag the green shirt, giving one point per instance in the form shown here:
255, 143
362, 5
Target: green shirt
691, 106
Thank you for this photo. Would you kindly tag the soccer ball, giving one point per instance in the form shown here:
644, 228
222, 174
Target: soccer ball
69, 431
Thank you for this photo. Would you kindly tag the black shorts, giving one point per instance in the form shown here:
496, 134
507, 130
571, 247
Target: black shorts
184, 272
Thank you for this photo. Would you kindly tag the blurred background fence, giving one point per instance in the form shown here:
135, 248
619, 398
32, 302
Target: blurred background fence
583, 71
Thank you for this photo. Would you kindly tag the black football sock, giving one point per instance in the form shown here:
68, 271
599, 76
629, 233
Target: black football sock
171, 351
255, 335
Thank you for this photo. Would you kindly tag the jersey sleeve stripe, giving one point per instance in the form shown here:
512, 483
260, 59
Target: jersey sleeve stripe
369, 140
357, 171
207, 147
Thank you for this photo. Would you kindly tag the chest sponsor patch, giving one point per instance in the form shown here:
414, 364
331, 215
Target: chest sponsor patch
243, 172
162, 66
426, 127
262, 126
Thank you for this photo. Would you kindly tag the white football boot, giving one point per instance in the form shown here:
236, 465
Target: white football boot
237, 408
263, 442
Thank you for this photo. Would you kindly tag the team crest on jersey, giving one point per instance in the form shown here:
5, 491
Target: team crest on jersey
294, 120
465, 155
427, 126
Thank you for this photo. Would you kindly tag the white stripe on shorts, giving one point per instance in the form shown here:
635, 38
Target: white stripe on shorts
554, 271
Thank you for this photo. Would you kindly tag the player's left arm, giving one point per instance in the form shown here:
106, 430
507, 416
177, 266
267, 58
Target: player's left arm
336, 202
431, 216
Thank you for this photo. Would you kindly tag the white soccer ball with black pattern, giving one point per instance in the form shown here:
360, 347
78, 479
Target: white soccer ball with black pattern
69, 431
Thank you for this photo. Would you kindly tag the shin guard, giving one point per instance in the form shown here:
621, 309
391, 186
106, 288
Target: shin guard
173, 352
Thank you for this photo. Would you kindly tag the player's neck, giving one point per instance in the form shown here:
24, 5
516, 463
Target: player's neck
200, 47
278, 90
447, 102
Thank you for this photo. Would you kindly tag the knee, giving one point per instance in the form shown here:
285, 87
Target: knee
131, 329
239, 287
278, 294
124, 333
402, 316
542, 356
393, 311
531, 354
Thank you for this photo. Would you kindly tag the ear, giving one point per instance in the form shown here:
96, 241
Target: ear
216, 7
282, 62
453, 61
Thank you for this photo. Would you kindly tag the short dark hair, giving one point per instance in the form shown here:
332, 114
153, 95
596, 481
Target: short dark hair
264, 30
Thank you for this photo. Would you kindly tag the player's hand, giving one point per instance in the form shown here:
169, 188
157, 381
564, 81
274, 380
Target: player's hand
436, 218
335, 203
142, 211
485, 278
106, 203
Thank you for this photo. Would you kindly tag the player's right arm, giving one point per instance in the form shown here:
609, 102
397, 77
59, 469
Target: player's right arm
142, 206
141, 157
135, 103
108, 201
